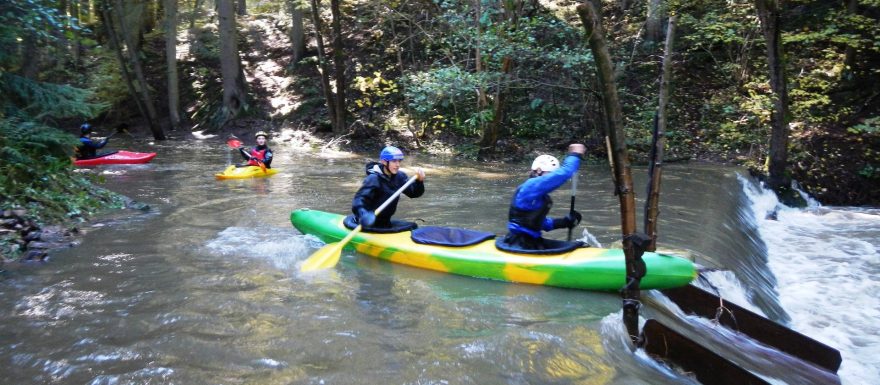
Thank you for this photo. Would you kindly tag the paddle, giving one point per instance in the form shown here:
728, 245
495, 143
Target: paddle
328, 255
574, 184
235, 143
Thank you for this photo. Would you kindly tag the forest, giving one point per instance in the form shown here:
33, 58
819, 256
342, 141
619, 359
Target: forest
788, 89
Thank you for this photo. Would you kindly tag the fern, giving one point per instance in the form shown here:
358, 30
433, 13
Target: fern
43, 100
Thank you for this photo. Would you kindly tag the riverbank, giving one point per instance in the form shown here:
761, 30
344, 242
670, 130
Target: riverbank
25, 236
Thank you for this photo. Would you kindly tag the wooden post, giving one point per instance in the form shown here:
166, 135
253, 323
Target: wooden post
635, 267
655, 168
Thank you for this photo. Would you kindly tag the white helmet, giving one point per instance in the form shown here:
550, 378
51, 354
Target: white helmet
546, 163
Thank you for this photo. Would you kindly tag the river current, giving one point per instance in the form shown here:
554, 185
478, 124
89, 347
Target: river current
205, 288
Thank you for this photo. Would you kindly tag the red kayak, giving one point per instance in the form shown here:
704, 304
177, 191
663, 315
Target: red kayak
118, 157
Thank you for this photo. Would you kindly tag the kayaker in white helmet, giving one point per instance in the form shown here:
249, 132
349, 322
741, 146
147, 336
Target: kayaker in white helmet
261, 153
527, 217
383, 179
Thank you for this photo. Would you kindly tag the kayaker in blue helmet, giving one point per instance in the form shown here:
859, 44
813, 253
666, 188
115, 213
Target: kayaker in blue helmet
261, 153
383, 179
88, 148
531, 202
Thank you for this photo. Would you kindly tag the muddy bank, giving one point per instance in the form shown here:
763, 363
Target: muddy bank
24, 239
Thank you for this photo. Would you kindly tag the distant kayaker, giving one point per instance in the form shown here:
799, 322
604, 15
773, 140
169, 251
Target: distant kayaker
383, 179
259, 154
531, 203
88, 148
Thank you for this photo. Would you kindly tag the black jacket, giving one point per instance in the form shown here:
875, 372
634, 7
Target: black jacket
377, 188
88, 148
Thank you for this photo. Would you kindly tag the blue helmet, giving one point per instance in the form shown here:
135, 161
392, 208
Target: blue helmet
85, 128
391, 153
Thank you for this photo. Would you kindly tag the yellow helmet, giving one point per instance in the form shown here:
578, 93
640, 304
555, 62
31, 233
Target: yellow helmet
261, 133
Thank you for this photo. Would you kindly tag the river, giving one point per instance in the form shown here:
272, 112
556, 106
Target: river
204, 288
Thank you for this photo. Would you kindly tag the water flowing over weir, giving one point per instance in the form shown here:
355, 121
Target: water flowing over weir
205, 288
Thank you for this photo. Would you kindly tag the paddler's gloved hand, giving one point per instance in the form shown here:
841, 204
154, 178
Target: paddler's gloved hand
567, 222
574, 218
366, 218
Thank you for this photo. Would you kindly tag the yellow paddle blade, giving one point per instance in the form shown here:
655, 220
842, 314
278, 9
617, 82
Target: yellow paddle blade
325, 257
328, 256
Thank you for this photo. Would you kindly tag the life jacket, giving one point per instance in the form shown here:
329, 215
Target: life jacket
257, 155
87, 148
531, 219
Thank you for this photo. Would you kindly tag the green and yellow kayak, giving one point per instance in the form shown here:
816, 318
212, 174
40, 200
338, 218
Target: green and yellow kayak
233, 172
584, 268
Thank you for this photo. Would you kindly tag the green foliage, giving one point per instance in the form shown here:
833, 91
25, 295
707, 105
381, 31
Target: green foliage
106, 78
867, 126
549, 60
25, 97
374, 90
35, 173
446, 93
35, 167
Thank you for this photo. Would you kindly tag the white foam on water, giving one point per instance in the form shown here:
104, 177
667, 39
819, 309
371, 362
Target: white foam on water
590, 239
284, 248
729, 287
826, 263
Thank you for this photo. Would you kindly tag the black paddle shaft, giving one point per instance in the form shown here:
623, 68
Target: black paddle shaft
572, 211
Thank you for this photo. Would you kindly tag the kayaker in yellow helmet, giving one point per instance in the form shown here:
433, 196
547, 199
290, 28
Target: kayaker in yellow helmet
527, 217
261, 153
383, 179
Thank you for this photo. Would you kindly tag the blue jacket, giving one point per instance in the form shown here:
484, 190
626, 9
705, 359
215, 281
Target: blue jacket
534, 195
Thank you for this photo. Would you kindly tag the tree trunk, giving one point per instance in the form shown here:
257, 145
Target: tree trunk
482, 100
339, 64
322, 62
620, 160
77, 24
30, 56
491, 131
197, 5
242, 7
117, 47
62, 43
133, 56
87, 12
297, 32
512, 11
655, 170
654, 22
234, 95
849, 60
769, 14
171, 63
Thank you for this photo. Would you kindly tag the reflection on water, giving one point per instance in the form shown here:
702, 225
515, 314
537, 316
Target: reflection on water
206, 288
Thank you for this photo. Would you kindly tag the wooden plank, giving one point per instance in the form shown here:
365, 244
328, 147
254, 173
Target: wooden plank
669, 346
694, 300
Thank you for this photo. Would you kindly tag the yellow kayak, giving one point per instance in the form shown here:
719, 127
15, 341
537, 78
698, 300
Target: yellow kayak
233, 172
